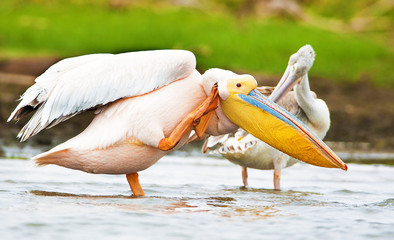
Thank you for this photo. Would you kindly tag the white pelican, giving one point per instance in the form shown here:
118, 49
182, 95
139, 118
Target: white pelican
146, 104
249, 152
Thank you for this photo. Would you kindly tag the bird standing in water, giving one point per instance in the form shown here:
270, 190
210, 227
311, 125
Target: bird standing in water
247, 151
146, 105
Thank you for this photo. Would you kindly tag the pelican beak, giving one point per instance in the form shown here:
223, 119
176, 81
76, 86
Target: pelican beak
272, 124
299, 65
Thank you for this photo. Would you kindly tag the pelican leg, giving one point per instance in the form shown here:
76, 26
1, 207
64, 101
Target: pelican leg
245, 176
277, 179
201, 116
201, 125
132, 179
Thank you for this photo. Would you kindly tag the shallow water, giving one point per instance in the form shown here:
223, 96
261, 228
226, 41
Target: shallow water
197, 198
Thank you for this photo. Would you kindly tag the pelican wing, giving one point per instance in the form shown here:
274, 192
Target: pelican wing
77, 84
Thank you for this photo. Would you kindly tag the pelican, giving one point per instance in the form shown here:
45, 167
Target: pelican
247, 151
146, 105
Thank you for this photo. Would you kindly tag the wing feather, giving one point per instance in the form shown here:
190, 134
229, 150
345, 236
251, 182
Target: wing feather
78, 84
38, 93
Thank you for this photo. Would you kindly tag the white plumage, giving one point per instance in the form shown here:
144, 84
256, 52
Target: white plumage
81, 83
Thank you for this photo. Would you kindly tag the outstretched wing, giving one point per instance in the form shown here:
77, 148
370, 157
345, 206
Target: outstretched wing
77, 84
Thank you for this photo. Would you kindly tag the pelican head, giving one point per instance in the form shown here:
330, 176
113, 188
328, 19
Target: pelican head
299, 64
228, 82
247, 108
242, 85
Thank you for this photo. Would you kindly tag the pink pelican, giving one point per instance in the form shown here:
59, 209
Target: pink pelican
247, 151
146, 105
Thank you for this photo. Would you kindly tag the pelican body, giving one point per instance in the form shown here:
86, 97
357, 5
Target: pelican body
248, 151
147, 103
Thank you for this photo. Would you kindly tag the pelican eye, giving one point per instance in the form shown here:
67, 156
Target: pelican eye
238, 85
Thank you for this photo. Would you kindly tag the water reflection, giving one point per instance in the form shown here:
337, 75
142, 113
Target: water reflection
223, 206
59, 194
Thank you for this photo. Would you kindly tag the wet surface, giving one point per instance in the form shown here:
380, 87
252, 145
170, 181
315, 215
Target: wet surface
197, 198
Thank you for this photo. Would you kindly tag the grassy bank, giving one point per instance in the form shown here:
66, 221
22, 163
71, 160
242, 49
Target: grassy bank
219, 39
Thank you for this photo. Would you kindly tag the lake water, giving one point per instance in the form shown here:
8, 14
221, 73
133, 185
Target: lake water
196, 197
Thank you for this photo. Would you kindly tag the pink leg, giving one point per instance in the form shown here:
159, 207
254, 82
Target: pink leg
277, 179
245, 176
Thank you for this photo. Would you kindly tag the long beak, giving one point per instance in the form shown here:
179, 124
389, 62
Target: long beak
272, 124
299, 65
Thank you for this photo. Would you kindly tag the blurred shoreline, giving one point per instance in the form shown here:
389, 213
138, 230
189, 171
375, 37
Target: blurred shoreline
361, 113
348, 155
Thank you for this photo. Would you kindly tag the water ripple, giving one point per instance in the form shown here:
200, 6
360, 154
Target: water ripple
201, 200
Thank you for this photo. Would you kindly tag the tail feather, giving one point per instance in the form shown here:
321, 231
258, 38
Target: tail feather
47, 158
